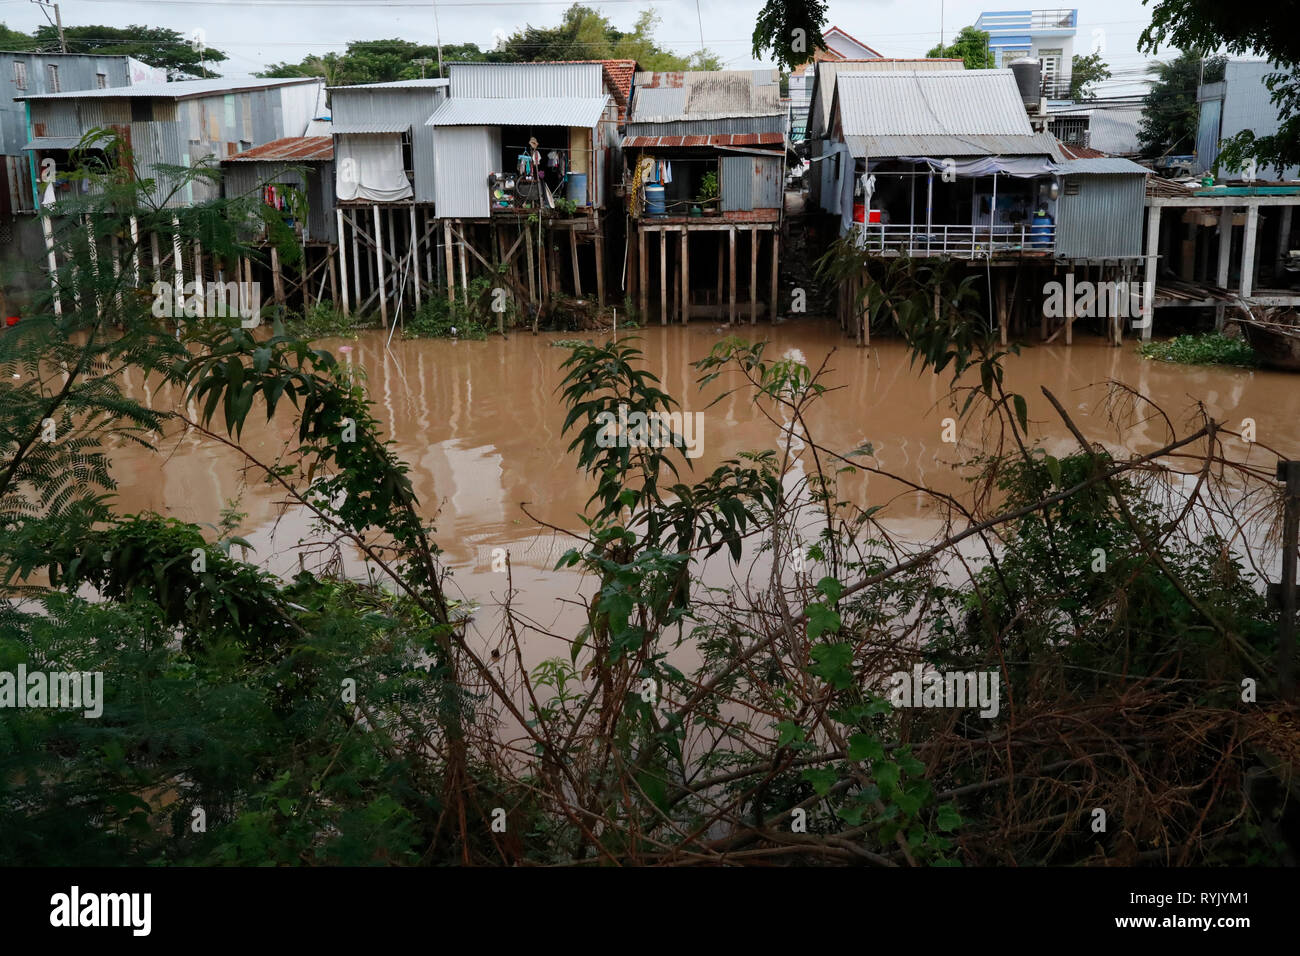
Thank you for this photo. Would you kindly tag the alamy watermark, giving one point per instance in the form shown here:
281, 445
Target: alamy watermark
242, 300
652, 430
67, 690
1087, 299
946, 689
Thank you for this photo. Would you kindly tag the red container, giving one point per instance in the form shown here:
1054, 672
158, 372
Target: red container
875, 216
859, 212
11, 320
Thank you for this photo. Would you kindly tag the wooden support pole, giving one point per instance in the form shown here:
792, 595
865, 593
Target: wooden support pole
643, 267
392, 254
51, 260
686, 276
178, 265
753, 275
415, 259
663, 277
334, 282
343, 265
451, 267
277, 279
573, 254
155, 257
599, 246
464, 261
198, 277
135, 251
776, 259
380, 284
532, 271
731, 276
356, 262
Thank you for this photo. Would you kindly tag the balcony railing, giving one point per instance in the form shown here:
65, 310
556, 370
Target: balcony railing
1027, 20
962, 241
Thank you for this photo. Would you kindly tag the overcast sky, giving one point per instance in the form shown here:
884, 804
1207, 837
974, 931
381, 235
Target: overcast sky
257, 32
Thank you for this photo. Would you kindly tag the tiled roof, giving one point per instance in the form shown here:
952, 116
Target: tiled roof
720, 139
291, 149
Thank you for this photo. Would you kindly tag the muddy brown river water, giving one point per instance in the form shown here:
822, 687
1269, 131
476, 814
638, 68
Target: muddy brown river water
479, 425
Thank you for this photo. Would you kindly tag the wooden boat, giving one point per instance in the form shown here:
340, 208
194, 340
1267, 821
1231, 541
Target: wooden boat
1277, 345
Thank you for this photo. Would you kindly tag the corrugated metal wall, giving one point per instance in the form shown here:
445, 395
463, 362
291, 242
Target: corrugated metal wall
464, 156
241, 178
411, 105
1103, 220
526, 79
751, 182
76, 72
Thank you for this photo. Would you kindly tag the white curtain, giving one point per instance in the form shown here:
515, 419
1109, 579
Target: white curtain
370, 167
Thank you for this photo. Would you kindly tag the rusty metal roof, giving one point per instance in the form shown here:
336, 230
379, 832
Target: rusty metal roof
700, 95
298, 149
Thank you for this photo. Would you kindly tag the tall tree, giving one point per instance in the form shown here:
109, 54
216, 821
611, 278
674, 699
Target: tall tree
971, 45
182, 57
1264, 29
1169, 114
791, 29
1085, 73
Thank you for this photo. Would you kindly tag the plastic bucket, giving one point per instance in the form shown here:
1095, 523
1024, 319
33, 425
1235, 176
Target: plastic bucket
654, 200
576, 189
859, 212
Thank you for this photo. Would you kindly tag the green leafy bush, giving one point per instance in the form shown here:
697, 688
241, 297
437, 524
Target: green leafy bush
1210, 348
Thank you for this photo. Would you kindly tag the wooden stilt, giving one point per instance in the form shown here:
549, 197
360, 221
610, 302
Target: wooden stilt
532, 271
277, 280
731, 276
52, 261
663, 277
334, 282
573, 254
643, 267
198, 277
776, 246
356, 261
415, 259
343, 264
155, 257
464, 261
599, 245
135, 251
451, 267
686, 276
380, 284
178, 265
396, 279
721, 274
753, 276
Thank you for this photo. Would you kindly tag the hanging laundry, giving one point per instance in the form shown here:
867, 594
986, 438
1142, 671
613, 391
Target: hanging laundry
667, 175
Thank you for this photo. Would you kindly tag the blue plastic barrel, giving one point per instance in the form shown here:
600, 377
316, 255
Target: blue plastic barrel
576, 188
654, 200
1041, 232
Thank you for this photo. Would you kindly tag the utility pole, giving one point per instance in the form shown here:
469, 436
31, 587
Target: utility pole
58, 21
437, 32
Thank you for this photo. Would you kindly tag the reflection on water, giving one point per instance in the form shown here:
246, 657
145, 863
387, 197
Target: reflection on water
479, 425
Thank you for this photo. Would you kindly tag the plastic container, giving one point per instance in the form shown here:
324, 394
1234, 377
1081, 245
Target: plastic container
1040, 232
859, 212
654, 200
576, 188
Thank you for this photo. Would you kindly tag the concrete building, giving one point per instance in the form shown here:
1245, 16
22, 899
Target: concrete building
1043, 35
1239, 101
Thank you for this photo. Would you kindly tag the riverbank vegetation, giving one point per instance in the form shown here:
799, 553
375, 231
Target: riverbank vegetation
1207, 348
354, 714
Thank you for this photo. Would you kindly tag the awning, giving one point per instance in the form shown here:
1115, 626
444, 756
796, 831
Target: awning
371, 129
53, 142
1022, 166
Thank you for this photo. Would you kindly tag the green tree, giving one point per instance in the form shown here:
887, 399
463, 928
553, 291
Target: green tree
1170, 116
791, 29
971, 45
1085, 73
1262, 29
181, 56
14, 40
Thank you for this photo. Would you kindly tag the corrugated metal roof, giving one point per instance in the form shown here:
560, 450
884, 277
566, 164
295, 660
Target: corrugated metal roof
519, 111
527, 80
305, 149
716, 94
53, 142
371, 129
719, 140
1035, 144
394, 85
1102, 166
180, 90
823, 89
940, 102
